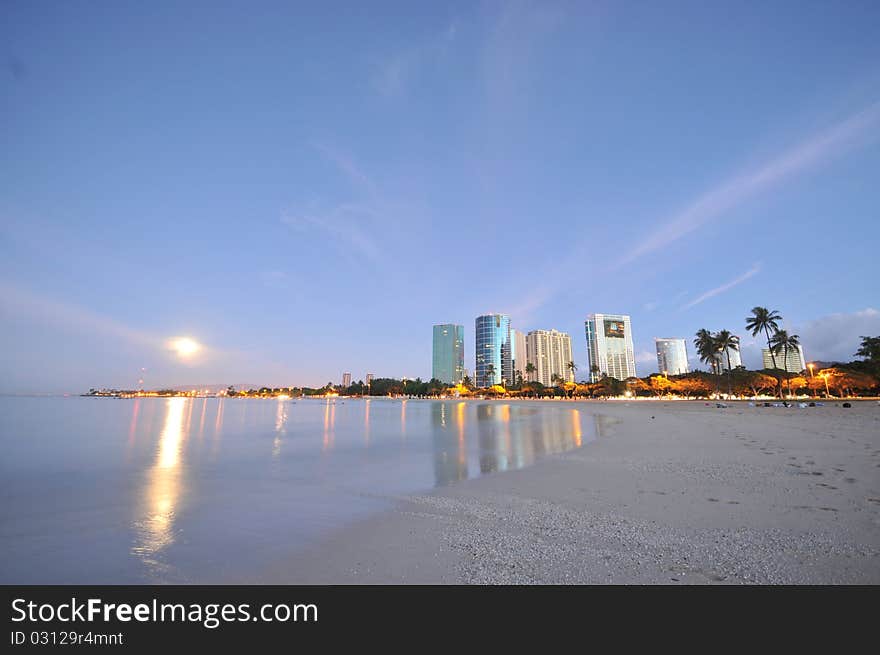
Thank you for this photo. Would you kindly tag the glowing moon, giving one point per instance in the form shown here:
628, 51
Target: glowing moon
184, 347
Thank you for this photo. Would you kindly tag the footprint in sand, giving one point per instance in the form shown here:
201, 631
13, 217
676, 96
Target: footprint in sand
850, 480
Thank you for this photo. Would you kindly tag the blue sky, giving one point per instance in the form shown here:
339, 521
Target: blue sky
307, 190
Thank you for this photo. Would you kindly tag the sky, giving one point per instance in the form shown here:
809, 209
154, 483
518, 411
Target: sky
306, 188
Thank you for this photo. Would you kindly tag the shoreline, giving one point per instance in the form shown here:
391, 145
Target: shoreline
668, 493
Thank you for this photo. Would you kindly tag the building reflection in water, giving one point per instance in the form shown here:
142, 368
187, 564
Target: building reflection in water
448, 442
154, 525
508, 436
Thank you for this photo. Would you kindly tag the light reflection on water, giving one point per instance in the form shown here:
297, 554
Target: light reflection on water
208, 490
154, 523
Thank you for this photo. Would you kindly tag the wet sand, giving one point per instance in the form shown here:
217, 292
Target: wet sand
670, 492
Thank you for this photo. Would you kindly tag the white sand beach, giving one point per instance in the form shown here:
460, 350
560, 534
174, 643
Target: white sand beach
669, 492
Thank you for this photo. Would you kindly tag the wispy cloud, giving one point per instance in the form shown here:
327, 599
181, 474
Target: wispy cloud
393, 76
754, 270
21, 301
712, 204
339, 226
349, 167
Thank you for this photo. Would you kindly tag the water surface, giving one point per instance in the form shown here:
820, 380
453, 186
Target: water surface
196, 490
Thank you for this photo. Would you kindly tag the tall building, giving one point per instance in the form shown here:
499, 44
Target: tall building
794, 362
550, 352
520, 359
493, 349
448, 364
369, 378
672, 357
735, 358
346, 379
610, 346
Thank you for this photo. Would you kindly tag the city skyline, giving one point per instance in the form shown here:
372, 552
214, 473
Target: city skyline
188, 198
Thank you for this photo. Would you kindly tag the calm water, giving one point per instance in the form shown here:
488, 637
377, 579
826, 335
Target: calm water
100, 490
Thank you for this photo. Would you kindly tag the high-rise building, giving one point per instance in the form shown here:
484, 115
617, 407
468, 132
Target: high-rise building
493, 350
520, 359
794, 362
346, 379
610, 346
672, 358
369, 378
735, 358
448, 364
549, 352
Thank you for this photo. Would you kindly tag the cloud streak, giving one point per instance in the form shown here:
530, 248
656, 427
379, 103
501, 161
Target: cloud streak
336, 227
715, 202
754, 270
21, 301
395, 74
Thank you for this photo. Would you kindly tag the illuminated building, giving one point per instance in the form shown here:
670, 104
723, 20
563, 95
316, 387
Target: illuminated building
794, 360
672, 358
494, 361
519, 356
610, 346
448, 360
549, 352
346, 379
735, 358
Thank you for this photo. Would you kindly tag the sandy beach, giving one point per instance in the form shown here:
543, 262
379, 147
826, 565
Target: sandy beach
669, 492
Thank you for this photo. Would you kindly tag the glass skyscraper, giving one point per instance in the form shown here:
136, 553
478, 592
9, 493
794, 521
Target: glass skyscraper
494, 350
610, 346
672, 358
448, 365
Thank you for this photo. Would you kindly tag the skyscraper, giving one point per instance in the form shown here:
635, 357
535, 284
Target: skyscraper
448, 361
520, 359
793, 363
610, 346
549, 352
494, 361
346, 379
672, 358
735, 358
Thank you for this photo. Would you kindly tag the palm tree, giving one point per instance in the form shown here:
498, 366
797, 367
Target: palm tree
594, 372
764, 320
490, 373
571, 366
705, 345
724, 343
782, 341
530, 369
707, 349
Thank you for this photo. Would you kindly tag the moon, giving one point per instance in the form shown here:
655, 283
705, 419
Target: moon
184, 347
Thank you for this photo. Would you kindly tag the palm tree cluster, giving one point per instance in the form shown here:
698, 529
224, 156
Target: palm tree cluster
780, 341
714, 348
